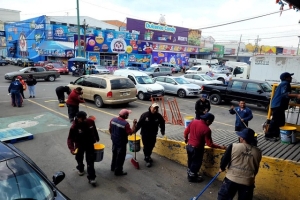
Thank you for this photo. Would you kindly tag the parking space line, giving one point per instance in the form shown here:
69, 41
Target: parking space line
50, 109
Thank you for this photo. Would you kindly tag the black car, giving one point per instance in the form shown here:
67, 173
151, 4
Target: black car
25, 62
21, 178
251, 91
3, 62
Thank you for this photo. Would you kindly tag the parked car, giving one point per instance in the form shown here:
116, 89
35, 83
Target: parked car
200, 79
145, 86
37, 72
3, 62
98, 69
106, 89
40, 63
132, 68
59, 67
21, 178
252, 91
25, 62
174, 68
198, 69
158, 71
14, 61
178, 85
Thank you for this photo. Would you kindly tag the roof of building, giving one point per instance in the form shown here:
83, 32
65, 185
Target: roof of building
115, 22
4, 9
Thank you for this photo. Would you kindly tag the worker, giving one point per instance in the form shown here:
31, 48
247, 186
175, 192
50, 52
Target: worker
280, 103
73, 102
196, 135
60, 92
119, 130
227, 78
149, 123
210, 73
23, 85
202, 106
82, 136
243, 115
15, 89
31, 82
242, 162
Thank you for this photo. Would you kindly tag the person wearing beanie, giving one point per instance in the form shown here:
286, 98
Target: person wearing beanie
196, 135
242, 161
31, 82
82, 136
280, 103
119, 130
149, 123
202, 106
15, 89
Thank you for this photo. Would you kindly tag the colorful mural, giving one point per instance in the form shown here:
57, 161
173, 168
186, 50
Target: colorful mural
125, 59
180, 59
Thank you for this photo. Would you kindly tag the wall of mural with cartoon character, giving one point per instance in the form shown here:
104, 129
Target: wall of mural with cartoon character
180, 59
126, 59
23, 37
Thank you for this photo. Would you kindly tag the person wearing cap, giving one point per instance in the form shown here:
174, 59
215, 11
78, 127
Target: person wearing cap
82, 136
280, 103
119, 130
60, 93
243, 115
15, 89
202, 106
23, 86
73, 102
31, 82
196, 135
242, 161
149, 123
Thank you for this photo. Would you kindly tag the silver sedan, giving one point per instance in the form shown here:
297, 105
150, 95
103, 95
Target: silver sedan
200, 79
178, 85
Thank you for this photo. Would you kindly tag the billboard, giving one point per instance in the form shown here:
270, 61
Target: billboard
180, 59
218, 51
125, 59
151, 31
194, 37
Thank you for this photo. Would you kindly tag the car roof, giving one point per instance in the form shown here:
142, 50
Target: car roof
6, 153
248, 80
106, 76
132, 72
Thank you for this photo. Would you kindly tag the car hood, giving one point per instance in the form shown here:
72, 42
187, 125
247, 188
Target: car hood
102, 70
155, 86
190, 86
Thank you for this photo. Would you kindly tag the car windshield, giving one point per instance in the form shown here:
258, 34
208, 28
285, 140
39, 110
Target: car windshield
194, 68
144, 80
25, 69
206, 77
266, 87
100, 67
121, 83
181, 81
20, 181
150, 69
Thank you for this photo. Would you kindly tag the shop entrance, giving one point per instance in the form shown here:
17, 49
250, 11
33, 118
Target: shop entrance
109, 59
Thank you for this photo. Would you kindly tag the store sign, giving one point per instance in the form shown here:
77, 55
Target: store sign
148, 47
160, 27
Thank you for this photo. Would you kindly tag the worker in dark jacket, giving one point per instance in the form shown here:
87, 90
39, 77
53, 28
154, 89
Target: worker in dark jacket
196, 135
82, 136
119, 130
31, 82
243, 115
15, 89
73, 102
242, 161
60, 92
202, 106
149, 123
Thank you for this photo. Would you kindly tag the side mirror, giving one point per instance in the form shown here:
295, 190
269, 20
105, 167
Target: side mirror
259, 91
58, 177
72, 82
174, 83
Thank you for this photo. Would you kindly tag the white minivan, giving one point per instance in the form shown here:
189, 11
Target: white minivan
146, 88
198, 69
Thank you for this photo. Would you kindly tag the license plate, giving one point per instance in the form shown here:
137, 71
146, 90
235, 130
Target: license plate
125, 93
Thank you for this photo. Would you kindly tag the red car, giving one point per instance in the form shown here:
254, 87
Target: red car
40, 63
59, 67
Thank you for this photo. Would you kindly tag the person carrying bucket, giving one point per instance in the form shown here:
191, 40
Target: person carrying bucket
202, 106
196, 135
149, 123
237, 158
119, 130
243, 115
82, 136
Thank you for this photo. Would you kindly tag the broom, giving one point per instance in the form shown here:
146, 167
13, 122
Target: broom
134, 160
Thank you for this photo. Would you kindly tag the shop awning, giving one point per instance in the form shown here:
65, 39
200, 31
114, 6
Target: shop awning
55, 45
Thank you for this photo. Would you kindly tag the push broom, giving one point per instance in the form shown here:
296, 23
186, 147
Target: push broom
134, 160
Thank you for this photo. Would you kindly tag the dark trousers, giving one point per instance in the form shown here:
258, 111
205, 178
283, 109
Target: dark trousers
118, 158
149, 143
229, 189
195, 157
72, 111
239, 128
22, 93
278, 120
198, 115
89, 157
60, 96
16, 98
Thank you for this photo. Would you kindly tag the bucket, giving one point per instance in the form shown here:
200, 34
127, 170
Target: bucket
188, 120
98, 151
287, 134
134, 146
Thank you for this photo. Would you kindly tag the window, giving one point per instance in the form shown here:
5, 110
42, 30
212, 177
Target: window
238, 70
266, 87
156, 70
188, 76
199, 69
252, 87
198, 78
160, 79
144, 80
169, 80
237, 85
79, 81
121, 83
132, 79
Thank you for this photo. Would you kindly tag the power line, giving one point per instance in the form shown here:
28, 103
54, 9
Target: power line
49, 12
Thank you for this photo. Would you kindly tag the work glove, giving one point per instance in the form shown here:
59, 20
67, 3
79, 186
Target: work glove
186, 140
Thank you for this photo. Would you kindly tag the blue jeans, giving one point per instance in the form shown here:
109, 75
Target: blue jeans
229, 189
31, 90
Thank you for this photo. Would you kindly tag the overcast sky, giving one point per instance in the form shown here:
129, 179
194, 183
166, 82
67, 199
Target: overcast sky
190, 14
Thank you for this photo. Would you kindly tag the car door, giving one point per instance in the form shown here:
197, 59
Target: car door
254, 93
80, 83
171, 86
91, 86
198, 80
236, 90
161, 81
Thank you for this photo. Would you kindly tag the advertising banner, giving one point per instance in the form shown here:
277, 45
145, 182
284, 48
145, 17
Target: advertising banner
149, 47
194, 37
218, 51
152, 31
180, 59
94, 57
125, 59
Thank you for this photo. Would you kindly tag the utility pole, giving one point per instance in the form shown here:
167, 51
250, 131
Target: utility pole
298, 46
238, 50
78, 29
256, 44
84, 36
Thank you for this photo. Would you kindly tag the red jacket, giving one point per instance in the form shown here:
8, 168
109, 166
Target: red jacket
74, 98
200, 134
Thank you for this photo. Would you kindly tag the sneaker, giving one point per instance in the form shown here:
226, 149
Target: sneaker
150, 160
148, 164
93, 182
193, 179
120, 173
33, 97
80, 173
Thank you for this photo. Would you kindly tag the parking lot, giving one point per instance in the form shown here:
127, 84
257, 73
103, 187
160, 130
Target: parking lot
49, 124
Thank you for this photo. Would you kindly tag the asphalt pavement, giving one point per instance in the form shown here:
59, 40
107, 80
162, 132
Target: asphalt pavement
165, 180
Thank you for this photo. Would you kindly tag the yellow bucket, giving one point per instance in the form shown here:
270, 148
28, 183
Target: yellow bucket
99, 152
287, 134
188, 120
134, 145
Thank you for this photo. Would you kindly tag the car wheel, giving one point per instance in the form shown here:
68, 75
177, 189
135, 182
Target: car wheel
215, 99
98, 102
141, 96
221, 79
51, 78
181, 93
3, 64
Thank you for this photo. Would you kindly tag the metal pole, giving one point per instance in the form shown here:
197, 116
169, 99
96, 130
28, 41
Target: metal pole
78, 29
298, 46
237, 55
256, 43
84, 37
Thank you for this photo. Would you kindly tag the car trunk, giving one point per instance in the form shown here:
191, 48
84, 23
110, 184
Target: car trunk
122, 89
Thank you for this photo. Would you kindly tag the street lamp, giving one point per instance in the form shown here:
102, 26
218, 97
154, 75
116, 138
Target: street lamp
78, 30
298, 46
